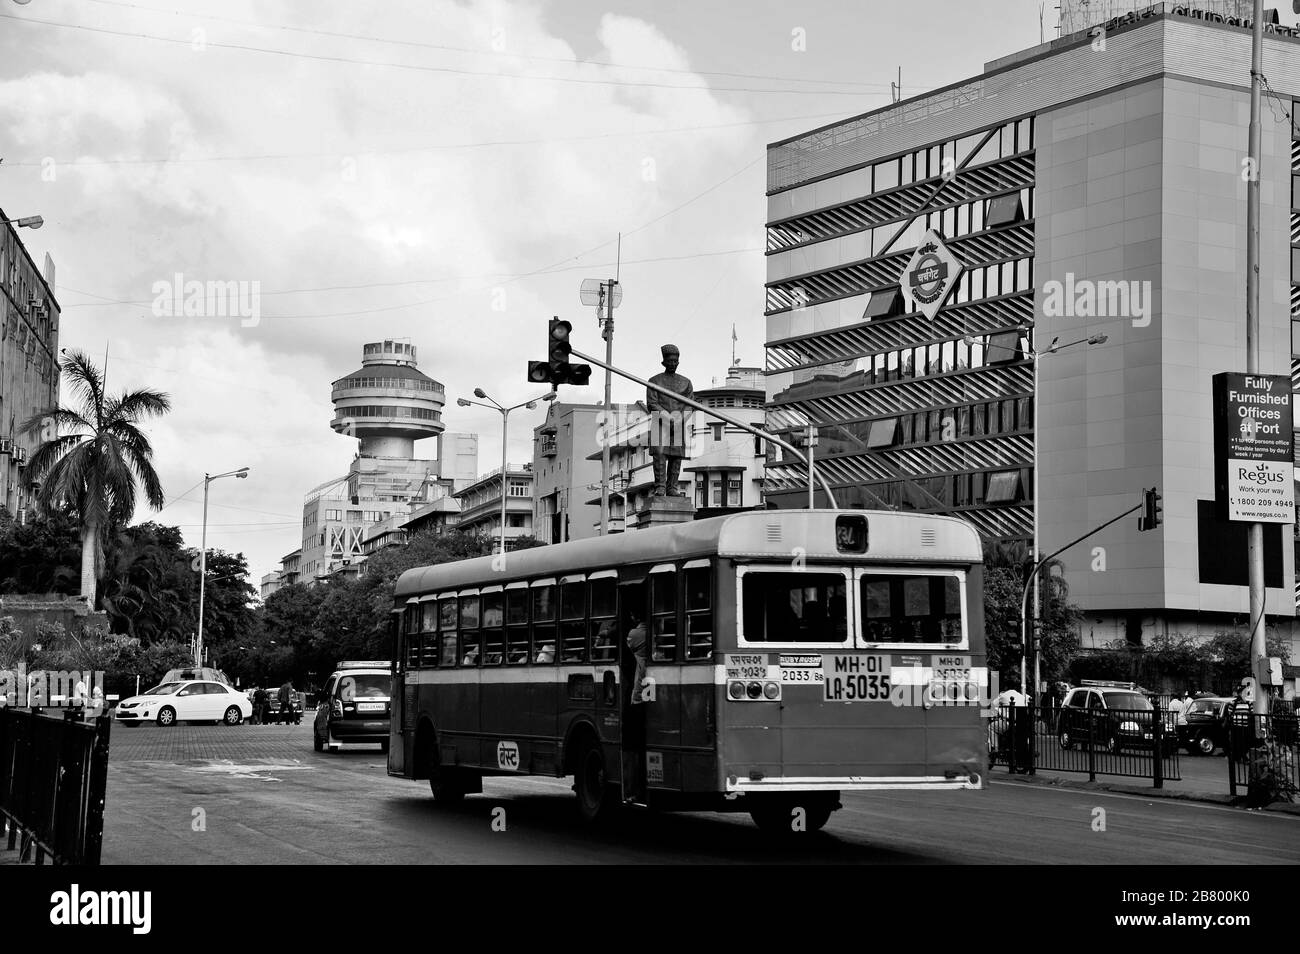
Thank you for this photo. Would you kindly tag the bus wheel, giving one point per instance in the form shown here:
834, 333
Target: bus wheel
446, 787
596, 797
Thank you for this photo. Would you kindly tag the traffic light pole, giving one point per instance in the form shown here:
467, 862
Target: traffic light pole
1024, 598
713, 412
1255, 531
608, 333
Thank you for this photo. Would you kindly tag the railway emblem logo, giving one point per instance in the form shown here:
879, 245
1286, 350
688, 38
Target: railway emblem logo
930, 275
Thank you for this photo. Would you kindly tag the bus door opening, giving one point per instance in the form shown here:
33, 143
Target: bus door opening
633, 650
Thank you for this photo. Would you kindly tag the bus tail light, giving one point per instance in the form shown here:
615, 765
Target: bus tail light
754, 690
736, 690
771, 691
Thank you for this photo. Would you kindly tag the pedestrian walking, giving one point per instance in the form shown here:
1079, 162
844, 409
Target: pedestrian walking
261, 706
285, 696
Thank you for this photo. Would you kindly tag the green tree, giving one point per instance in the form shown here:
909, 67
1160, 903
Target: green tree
92, 457
42, 556
1007, 566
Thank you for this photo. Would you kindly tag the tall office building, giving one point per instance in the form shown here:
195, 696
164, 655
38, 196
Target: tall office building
919, 254
387, 405
29, 363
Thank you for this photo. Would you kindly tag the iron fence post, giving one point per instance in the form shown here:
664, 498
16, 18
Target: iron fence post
94, 831
1158, 745
1092, 746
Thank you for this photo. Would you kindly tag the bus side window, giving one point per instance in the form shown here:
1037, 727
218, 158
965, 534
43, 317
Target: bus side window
663, 613
604, 631
517, 627
411, 633
494, 633
573, 622
447, 631
699, 613
429, 627
469, 631
544, 624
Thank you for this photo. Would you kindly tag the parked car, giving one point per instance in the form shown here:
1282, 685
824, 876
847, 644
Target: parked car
355, 706
1115, 717
1202, 729
188, 701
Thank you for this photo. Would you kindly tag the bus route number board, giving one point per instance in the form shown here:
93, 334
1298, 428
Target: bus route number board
802, 670
856, 678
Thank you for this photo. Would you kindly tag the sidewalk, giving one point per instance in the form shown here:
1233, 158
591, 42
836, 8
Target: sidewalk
1203, 780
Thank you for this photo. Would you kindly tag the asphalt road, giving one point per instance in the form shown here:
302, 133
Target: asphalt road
260, 795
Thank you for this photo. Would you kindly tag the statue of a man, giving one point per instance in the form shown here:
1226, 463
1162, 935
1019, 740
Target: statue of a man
669, 420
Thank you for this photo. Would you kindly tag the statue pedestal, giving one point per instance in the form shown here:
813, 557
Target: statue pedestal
660, 511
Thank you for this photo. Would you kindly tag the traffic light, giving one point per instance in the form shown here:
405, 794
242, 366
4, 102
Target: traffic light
558, 350
556, 369
1151, 510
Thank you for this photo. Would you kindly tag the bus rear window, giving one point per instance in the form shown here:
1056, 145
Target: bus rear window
899, 608
795, 608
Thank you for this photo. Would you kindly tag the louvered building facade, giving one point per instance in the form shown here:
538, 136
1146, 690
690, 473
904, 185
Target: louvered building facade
1108, 159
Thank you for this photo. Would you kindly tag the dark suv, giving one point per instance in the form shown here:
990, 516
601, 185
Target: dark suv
355, 707
1114, 718
1201, 728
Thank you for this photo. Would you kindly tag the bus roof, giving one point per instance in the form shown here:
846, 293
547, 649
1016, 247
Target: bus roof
760, 534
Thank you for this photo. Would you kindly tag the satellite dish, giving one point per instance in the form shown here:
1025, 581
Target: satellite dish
592, 290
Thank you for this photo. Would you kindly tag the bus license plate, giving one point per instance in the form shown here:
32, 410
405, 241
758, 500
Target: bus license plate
856, 678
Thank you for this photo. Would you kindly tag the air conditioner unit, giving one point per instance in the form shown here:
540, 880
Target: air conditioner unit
20, 456
6, 445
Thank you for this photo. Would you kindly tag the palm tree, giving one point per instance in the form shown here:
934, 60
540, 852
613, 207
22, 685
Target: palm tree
92, 469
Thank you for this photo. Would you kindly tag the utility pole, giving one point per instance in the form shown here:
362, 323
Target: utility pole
1255, 532
607, 332
811, 440
605, 295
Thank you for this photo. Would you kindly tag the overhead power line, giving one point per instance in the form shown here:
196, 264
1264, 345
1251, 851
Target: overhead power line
407, 150
321, 57
479, 51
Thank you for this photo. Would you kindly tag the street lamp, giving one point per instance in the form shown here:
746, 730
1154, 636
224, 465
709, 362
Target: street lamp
27, 222
505, 414
1052, 348
203, 554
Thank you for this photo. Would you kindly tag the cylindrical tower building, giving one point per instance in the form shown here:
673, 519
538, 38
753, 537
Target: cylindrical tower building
388, 404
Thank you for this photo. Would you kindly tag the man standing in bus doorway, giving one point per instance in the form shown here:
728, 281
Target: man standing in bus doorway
669, 420
634, 669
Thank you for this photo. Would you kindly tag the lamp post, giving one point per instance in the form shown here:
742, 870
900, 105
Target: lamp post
1052, 348
505, 416
203, 555
26, 222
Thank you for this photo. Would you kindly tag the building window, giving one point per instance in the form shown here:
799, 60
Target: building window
1004, 347
716, 428
733, 493
883, 433
1003, 487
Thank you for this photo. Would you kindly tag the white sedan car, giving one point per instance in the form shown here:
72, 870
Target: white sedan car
190, 701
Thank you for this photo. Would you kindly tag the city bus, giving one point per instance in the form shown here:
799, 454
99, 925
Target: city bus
762, 661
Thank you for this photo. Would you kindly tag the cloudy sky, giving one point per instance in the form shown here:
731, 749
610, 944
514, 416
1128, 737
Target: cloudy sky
446, 172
